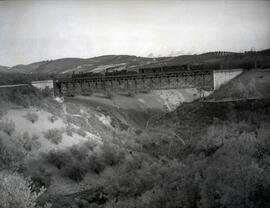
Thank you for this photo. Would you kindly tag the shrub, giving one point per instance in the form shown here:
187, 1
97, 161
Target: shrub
28, 143
74, 171
7, 126
59, 159
40, 177
52, 118
27, 96
11, 156
32, 117
79, 152
53, 135
111, 155
15, 191
95, 164
20, 99
35, 137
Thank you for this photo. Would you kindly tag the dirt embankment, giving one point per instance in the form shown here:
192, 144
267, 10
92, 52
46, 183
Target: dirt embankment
136, 110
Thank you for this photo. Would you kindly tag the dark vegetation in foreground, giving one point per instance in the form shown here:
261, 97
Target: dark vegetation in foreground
25, 96
201, 155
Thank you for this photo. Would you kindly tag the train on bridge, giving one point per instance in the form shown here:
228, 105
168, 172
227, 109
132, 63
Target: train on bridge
112, 71
204, 76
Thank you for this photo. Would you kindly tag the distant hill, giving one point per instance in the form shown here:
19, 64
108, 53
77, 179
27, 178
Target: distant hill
221, 57
6, 69
100, 63
120, 62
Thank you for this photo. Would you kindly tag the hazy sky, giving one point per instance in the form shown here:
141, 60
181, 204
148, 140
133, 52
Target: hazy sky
39, 30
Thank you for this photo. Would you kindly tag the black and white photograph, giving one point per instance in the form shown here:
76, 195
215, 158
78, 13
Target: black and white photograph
134, 104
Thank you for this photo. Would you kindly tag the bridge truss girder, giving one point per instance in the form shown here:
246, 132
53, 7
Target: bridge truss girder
135, 83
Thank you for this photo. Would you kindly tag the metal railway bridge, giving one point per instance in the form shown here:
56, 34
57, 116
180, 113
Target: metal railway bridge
134, 82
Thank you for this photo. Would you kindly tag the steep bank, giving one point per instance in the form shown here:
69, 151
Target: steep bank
136, 110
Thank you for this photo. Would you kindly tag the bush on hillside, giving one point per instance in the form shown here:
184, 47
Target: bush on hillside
7, 126
95, 164
79, 152
40, 176
16, 191
11, 157
26, 96
59, 159
52, 118
32, 117
75, 162
74, 171
112, 155
35, 137
53, 135
161, 142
